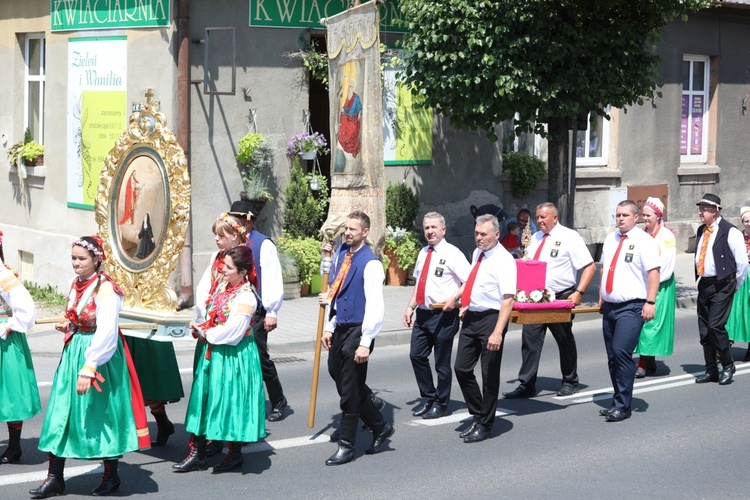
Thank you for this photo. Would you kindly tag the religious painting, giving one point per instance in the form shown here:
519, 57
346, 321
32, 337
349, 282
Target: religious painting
348, 133
141, 208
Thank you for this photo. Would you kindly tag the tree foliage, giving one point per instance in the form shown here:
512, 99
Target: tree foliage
481, 61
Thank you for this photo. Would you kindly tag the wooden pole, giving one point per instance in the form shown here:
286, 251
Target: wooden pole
318, 346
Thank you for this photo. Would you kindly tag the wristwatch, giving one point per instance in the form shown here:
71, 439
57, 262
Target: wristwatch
651, 302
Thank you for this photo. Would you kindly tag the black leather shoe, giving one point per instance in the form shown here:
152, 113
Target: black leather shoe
567, 390
422, 409
231, 462
435, 412
277, 413
618, 415
605, 412
11, 456
520, 392
191, 463
49, 488
727, 374
478, 434
707, 377
164, 429
214, 448
343, 455
468, 431
379, 439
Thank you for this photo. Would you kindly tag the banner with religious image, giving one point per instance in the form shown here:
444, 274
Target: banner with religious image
97, 111
357, 174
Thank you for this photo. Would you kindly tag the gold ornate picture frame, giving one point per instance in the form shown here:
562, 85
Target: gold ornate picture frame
143, 210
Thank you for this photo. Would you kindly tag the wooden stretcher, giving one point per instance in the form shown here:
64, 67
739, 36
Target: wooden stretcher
537, 317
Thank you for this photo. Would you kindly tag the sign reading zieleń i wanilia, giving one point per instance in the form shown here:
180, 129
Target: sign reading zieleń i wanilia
308, 13
68, 15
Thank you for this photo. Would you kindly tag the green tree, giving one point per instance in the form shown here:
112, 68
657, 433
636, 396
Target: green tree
481, 61
304, 211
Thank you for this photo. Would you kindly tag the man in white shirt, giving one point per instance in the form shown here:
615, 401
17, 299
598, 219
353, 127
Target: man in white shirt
486, 303
721, 265
627, 295
440, 271
271, 291
565, 253
355, 315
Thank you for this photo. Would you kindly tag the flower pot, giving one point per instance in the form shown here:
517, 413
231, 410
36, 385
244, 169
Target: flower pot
291, 288
304, 290
309, 155
395, 276
314, 185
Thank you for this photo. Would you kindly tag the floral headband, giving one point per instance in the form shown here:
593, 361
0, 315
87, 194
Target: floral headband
224, 216
91, 248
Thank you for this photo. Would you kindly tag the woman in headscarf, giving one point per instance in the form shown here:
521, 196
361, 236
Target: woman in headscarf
738, 325
19, 396
226, 407
657, 335
109, 421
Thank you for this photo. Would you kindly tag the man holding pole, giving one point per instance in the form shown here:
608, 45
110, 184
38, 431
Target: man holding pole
355, 315
440, 271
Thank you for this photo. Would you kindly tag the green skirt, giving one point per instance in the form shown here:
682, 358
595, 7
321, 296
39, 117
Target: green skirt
227, 402
19, 395
738, 325
657, 335
156, 365
98, 424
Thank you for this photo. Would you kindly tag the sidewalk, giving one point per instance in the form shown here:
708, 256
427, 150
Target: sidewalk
298, 319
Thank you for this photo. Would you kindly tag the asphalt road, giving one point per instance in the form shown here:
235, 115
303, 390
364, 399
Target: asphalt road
683, 441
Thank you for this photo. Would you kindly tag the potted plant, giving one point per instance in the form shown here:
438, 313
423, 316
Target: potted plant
304, 210
524, 170
255, 161
401, 248
307, 255
401, 206
307, 145
30, 152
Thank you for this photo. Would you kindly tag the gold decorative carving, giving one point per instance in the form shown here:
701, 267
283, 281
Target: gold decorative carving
143, 209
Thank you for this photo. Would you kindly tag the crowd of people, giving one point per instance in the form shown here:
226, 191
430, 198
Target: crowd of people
241, 292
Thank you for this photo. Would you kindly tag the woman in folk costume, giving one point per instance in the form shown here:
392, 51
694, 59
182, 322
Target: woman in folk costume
108, 421
738, 325
657, 335
227, 401
19, 396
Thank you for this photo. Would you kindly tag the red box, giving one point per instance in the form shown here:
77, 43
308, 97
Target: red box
531, 275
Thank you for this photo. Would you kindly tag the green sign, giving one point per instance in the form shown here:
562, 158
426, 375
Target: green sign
308, 13
68, 15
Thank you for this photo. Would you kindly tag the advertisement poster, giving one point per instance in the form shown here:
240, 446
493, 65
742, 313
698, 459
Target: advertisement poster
684, 125
696, 129
97, 111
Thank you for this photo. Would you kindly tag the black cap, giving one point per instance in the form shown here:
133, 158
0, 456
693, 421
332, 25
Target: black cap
710, 199
244, 209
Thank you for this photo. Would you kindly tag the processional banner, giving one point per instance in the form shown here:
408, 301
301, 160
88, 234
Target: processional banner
357, 172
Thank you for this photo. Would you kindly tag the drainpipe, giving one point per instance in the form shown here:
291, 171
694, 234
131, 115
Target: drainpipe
183, 138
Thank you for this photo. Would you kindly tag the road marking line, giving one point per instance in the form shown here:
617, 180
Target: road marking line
38, 477
453, 418
286, 443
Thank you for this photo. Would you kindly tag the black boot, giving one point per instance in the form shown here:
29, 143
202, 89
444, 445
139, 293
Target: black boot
345, 453
13, 452
233, 460
164, 428
196, 459
110, 479
214, 447
277, 398
747, 354
55, 482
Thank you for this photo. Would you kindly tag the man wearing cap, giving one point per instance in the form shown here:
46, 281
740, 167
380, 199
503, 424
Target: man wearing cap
657, 335
271, 291
721, 265
565, 253
627, 297
440, 271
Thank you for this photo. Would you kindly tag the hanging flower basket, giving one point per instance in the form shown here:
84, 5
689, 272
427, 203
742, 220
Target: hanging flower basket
309, 155
307, 143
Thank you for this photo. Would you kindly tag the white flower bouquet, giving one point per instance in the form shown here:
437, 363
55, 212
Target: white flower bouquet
535, 296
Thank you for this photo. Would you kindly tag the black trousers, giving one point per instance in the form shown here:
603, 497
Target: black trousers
532, 341
433, 330
351, 377
621, 325
472, 347
714, 306
267, 366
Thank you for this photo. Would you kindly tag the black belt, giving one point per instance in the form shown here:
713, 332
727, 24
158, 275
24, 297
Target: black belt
483, 313
348, 325
627, 302
714, 279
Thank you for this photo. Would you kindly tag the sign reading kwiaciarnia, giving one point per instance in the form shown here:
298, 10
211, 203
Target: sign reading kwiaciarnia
106, 14
308, 13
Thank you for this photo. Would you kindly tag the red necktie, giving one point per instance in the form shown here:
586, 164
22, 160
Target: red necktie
611, 274
541, 245
423, 277
466, 296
